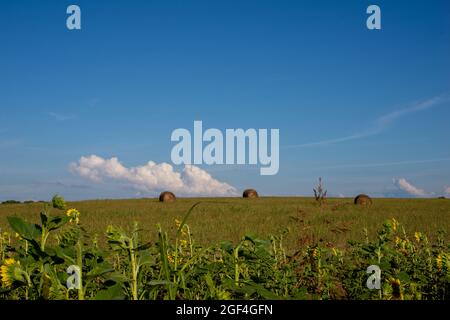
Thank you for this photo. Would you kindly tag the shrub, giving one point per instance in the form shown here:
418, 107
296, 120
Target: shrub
319, 192
58, 202
11, 202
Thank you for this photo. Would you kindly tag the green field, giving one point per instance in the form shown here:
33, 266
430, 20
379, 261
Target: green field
265, 248
337, 221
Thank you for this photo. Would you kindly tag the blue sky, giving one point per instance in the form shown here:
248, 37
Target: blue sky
367, 110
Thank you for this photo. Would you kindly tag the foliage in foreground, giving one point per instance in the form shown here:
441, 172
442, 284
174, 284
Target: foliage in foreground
177, 268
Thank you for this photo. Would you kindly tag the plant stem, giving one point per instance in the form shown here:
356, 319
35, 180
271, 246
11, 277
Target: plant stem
236, 263
134, 273
80, 265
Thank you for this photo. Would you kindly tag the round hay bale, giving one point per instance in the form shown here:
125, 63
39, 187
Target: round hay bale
250, 193
363, 199
167, 196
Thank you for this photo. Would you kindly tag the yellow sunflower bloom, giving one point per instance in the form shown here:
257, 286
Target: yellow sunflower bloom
397, 292
334, 251
74, 215
418, 236
183, 243
6, 237
11, 261
394, 224
439, 261
7, 271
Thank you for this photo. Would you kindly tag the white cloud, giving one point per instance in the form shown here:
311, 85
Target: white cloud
406, 186
447, 190
382, 164
61, 117
10, 142
152, 177
380, 124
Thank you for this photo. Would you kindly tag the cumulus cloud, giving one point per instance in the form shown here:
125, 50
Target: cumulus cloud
447, 190
406, 186
152, 177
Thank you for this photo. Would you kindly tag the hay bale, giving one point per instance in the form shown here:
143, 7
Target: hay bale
167, 196
363, 199
250, 193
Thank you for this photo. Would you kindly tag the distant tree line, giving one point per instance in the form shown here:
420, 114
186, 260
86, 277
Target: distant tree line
19, 202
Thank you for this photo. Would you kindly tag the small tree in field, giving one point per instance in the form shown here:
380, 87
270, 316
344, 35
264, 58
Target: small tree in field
319, 192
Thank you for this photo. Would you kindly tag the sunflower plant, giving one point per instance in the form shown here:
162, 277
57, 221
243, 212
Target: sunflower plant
135, 256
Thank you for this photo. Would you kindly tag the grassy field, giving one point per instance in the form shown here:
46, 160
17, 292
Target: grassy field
230, 218
294, 248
